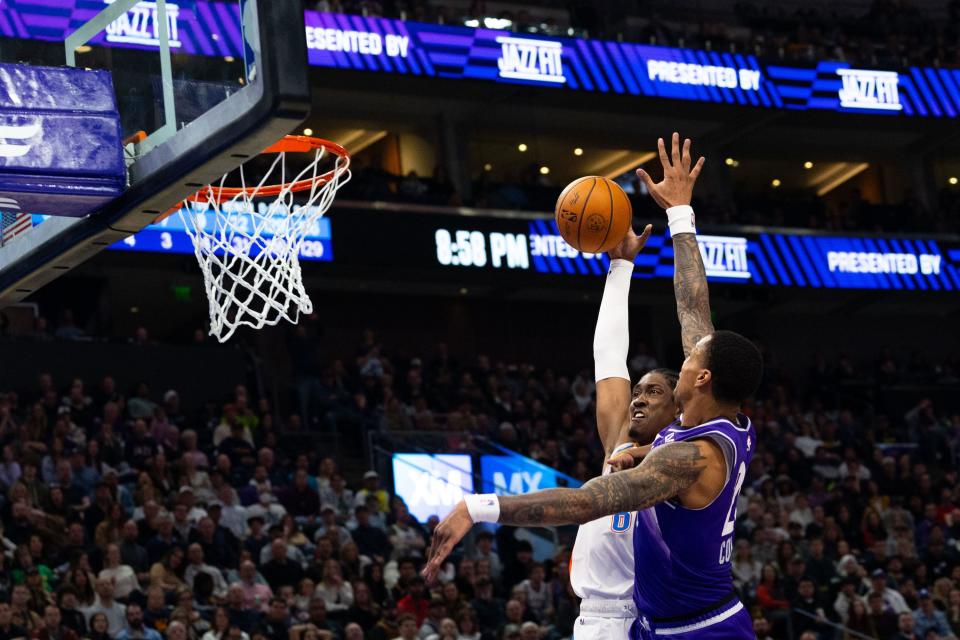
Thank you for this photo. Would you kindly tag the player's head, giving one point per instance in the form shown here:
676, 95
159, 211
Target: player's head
724, 365
653, 406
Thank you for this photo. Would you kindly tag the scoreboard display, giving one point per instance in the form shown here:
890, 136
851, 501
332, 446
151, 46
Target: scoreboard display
506, 248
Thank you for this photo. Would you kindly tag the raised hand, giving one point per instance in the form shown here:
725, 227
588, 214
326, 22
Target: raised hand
676, 188
445, 537
631, 245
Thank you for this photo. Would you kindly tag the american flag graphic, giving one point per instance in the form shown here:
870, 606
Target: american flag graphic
13, 223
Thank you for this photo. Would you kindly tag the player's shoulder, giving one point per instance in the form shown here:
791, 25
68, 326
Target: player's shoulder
737, 430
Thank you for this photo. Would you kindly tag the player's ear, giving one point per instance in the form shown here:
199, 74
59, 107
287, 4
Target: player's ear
704, 377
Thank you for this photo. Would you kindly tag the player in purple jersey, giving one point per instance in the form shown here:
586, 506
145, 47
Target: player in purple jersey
685, 489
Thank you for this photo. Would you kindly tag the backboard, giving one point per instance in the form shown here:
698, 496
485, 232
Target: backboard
201, 86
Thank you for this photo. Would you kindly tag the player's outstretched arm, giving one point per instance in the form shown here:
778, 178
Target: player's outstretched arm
674, 194
666, 472
611, 341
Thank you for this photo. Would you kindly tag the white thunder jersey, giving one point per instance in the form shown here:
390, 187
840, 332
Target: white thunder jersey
601, 565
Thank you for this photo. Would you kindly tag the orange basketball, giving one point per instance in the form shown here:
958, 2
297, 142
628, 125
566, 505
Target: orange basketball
593, 214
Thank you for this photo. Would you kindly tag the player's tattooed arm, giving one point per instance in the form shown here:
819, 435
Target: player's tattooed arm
690, 289
666, 472
680, 175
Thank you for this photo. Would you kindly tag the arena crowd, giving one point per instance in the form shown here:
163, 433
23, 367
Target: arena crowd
128, 516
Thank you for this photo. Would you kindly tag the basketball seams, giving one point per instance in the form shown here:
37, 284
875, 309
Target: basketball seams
583, 211
609, 218
561, 201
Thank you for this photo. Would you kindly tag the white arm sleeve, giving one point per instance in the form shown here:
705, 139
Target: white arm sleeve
611, 340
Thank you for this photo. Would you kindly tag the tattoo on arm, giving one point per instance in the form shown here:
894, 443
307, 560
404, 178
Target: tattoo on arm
664, 473
690, 289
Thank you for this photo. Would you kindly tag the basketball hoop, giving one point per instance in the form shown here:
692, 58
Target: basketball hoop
247, 239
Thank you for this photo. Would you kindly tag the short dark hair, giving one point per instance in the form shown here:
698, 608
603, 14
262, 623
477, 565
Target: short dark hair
736, 366
670, 375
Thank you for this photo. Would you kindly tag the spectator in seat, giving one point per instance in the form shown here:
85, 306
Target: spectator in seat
135, 628
371, 486
364, 610
123, 576
186, 614
336, 592
280, 570
9, 630
168, 573
157, 614
220, 627
928, 617
846, 597
484, 551
275, 624
371, 541
343, 498
489, 608
892, 599
256, 595
116, 613
761, 627
239, 615
219, 545
538, 593
859, 620
177, 631
164, 540
258, 539
906, 628
407, 627
414, 601
99, 628
70, 614
436, 612
405, 536
132, 553
196, 564
300, 500
319, 619
884, 620
513, 618
53, 628
329, 526
819, 615
771, 598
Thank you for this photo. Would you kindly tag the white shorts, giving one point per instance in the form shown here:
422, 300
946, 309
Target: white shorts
603, 619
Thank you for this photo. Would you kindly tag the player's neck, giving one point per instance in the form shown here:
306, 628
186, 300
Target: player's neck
704, 408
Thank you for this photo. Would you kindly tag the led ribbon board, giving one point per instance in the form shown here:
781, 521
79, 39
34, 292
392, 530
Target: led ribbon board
412, 48
780, 259
392, 46
475, 244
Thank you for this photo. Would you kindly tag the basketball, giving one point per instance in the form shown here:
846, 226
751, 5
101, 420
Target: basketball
593, 214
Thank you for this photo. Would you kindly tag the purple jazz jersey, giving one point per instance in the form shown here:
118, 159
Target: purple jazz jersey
683, 555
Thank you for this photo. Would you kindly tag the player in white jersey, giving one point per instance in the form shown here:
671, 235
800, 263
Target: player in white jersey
602, 564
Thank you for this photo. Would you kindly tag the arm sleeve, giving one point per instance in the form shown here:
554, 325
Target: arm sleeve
611, 340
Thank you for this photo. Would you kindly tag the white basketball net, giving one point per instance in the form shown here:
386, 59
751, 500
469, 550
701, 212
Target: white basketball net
249, 251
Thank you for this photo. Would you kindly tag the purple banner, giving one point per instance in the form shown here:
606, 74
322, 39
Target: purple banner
202, 28
412, 48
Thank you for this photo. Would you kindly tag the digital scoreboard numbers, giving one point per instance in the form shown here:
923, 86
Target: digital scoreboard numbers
462, 248
778, 259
